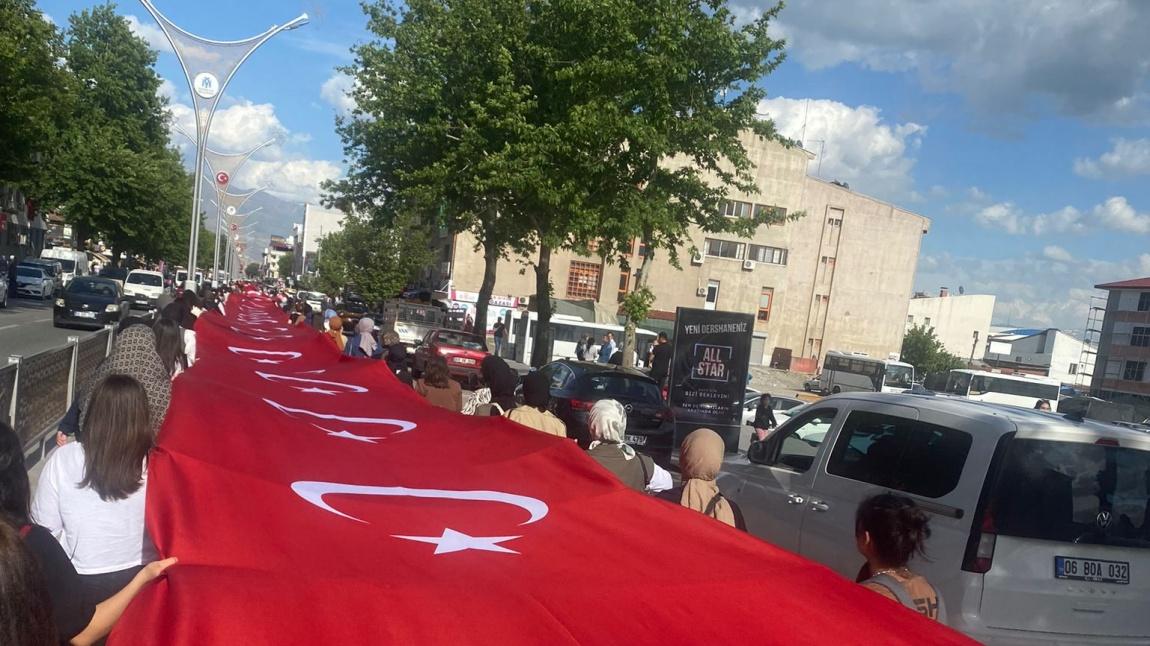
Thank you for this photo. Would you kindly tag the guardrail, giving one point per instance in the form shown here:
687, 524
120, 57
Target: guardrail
37, 390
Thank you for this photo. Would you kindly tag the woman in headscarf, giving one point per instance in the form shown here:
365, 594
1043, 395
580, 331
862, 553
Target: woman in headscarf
395, 353
500, 382
334, 332
133, 355
534, 412
362, 344
608, 426
700, 460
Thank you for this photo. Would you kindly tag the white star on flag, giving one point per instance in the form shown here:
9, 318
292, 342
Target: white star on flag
453, 541
267, 361
318, 391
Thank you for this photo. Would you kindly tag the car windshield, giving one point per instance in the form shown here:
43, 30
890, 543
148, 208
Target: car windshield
148, 280
30, 272
461, 340
1074, 493
82, 286
354, 308
899, 376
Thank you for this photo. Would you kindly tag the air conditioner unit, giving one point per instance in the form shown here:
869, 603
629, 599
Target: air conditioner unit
748, 265
702, 291
697, 259
524, 301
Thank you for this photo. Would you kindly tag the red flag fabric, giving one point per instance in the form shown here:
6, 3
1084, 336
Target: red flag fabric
314, 499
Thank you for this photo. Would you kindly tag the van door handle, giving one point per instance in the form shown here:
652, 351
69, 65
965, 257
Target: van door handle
795, 499
818, 505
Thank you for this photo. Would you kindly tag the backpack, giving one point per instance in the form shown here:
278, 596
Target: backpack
890, 583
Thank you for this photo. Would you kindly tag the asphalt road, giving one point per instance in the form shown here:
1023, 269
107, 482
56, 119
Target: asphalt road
26, 328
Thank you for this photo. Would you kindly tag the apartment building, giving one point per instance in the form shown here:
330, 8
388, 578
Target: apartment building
961, 323
1121, 374
837, 278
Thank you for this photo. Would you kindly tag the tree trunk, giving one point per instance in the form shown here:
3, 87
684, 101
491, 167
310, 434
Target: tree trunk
541, 351
629, 340
490, 263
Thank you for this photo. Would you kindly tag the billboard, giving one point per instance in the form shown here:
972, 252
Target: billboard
709, 372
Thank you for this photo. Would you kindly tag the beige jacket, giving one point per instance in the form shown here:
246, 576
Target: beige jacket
539, 420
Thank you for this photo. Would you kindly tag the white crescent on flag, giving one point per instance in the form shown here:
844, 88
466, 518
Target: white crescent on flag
403, 425
337, 386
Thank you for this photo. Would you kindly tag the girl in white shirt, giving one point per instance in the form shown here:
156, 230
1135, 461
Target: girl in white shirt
91, 493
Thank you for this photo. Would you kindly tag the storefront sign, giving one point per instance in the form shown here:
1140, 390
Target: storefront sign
472, 297
709, 372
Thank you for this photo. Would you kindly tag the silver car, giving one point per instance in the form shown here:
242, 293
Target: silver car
1041, 523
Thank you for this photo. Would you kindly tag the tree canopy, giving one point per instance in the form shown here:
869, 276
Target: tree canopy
374, 261
922, 349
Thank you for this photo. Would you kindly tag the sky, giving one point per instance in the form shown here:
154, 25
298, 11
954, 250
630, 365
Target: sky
1020, 128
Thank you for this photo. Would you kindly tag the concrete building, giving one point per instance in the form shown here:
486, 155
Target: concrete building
837, 278
1049, 353
1124, 346
317, 223
277, 248
961, 323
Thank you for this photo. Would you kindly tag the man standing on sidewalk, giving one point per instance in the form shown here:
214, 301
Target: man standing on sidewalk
498, 331
607, 350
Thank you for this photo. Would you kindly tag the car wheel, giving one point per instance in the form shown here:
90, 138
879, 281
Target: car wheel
836, 390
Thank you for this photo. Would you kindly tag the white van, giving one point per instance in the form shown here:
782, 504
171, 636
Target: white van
144, 288
1040, 522
74, 263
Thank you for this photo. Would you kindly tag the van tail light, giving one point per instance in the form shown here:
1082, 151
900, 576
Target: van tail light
666, 394
980, 549
579, 404
1107, 441
979, 555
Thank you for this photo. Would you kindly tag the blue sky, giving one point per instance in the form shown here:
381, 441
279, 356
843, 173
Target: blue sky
1019, 128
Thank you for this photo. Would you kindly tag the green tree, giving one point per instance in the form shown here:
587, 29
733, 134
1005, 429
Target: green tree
36, 92
284, 266
922, 349
113, 173
252, 270
375, 261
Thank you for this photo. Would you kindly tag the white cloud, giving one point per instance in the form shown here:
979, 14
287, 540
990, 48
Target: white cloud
1005, 58
244, 125
1127, 158
337, 92
151, 33
1116, 213
1007, 217
1031, 290
856, 145
1056, 253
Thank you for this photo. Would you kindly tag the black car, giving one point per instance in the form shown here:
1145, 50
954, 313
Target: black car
577, 385
90, 302
350, 311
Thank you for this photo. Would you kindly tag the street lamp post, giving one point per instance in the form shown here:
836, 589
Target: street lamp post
208, 66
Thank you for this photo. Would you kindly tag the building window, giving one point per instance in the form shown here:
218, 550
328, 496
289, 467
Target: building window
769, 255
763, 212
927, 321
712, 295
736, 209
1144, 302
624, 283
583, 280
910, 319
1134, 370
1140, 337
765, 298
723, 249
1073, 369
835, 222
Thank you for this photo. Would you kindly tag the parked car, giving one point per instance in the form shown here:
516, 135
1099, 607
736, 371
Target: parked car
90, 302
464, 352
781, 406
34, 281
813, 385
577, 385
74, 263
143, 288
350, 311
313, 299
1039, 522
52, 268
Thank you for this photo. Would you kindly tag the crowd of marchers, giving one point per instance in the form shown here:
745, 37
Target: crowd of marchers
74, 555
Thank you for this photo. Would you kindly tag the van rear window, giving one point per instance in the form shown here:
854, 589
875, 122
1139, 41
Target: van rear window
148, 280
1073, 493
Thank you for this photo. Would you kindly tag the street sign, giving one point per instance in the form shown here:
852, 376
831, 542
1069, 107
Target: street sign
222, 178
235, 227
206, 85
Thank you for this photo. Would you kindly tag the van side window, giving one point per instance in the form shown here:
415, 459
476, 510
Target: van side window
796, 447
900, 453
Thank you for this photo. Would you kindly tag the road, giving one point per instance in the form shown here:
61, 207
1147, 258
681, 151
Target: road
26, 328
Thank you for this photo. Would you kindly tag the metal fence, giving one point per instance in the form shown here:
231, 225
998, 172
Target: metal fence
36, 390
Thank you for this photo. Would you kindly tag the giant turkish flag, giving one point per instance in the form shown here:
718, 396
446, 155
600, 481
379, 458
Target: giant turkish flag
313, 499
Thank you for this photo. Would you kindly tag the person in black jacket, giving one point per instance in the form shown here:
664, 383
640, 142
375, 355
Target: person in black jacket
764, 417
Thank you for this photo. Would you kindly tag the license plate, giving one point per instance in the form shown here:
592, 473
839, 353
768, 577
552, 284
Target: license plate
86, 315
637, 440
1095, 570
466, 362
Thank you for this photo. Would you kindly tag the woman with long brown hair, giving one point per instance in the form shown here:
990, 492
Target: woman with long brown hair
437, 386
91, 493
170, 346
